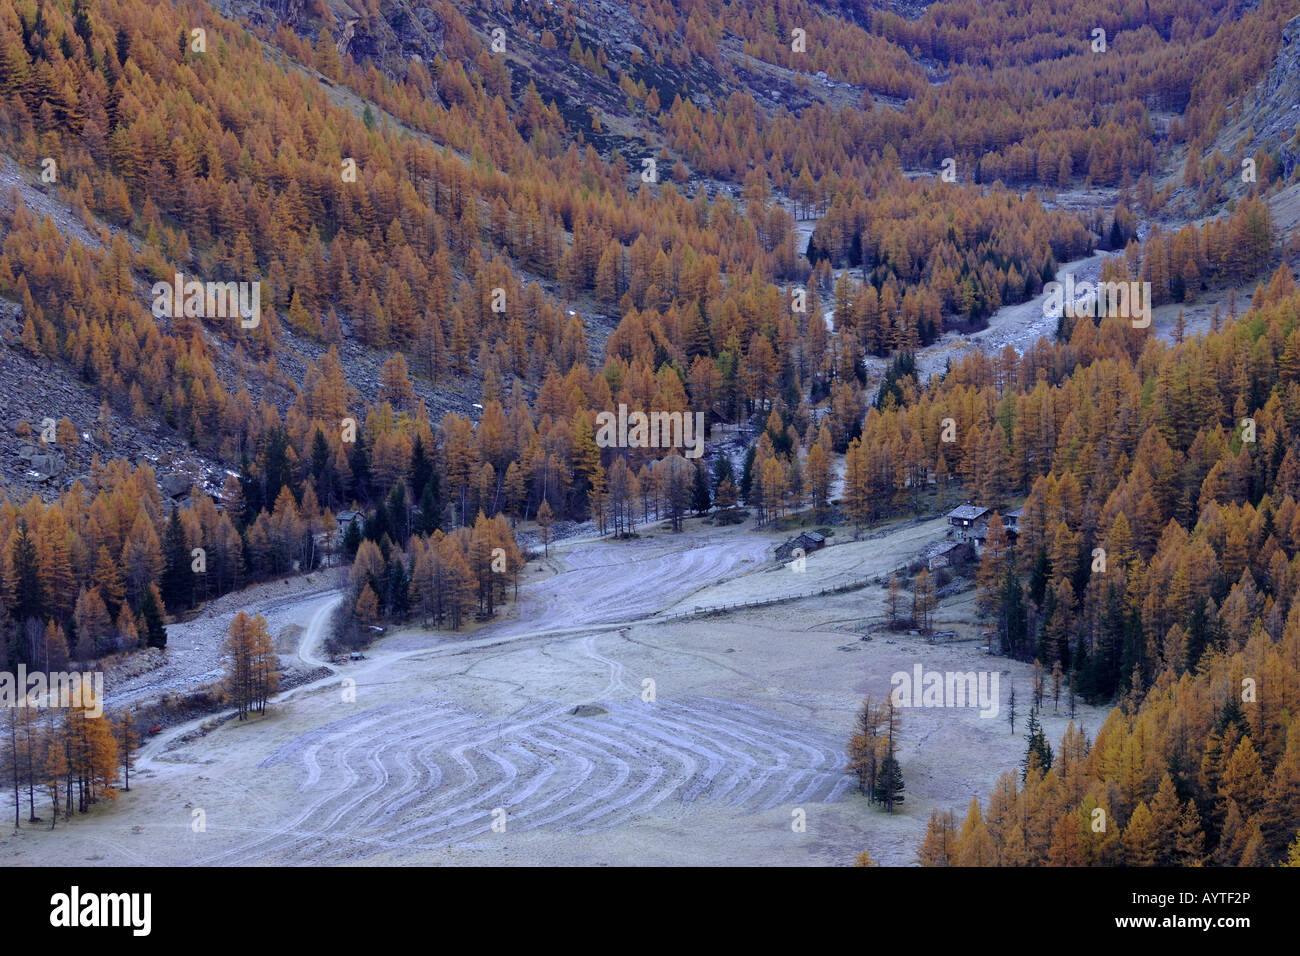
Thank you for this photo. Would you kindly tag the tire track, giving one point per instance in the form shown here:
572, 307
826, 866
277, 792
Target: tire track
421, 774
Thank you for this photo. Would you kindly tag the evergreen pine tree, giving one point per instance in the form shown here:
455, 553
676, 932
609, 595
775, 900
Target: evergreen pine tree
422, 467
151, 617
889, 781
352, 538
1013, 619
359, 462
1038, 754
177, 582
722, 471
701, 500
252, 491
430, 507
322, 468
398, 513
377, 525
24, 584
747, 475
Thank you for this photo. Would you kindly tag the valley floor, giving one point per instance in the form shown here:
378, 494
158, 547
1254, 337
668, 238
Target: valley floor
541, 739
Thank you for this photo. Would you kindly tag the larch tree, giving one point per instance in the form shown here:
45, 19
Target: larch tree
544, 520
923, 600
127, 742
940, 843
241, 650
975, 845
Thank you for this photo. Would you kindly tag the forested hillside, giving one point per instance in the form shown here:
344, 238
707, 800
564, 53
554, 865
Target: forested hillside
474, 230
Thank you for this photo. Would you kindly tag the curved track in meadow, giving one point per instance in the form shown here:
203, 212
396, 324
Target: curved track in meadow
429, 771
421, 774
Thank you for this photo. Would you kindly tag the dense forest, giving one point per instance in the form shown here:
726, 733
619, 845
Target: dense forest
465, 234
1178, 466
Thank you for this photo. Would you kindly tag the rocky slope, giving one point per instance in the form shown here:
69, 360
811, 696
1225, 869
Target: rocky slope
1275, 115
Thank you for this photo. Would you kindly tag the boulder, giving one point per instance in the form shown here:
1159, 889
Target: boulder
175, 486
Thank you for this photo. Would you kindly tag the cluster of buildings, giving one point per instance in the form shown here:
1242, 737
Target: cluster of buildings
968, 529
807, 542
